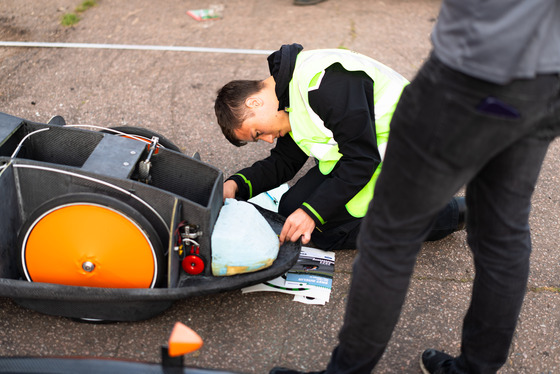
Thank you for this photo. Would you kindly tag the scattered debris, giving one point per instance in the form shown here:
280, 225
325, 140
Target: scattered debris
213, 12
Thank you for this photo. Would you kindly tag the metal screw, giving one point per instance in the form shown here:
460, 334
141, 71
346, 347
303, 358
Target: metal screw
88, 266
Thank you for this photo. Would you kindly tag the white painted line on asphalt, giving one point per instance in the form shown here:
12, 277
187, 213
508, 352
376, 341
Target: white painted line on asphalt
134, 47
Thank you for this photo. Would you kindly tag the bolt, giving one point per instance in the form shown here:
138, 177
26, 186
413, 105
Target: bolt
88, 266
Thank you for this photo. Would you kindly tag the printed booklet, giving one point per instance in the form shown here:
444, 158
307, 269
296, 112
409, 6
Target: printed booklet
309, 280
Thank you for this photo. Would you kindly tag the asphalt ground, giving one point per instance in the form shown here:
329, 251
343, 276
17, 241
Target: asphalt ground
172, 93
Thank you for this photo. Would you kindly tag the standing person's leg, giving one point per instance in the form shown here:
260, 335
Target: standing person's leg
432, 152
499, 201
413, 187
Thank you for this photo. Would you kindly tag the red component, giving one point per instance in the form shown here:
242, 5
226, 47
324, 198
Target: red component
193, 264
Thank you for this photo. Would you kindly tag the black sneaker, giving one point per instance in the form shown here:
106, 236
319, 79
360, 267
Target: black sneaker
435, 362
280, 370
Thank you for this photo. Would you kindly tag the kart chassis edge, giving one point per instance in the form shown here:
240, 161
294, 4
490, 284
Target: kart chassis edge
42, 165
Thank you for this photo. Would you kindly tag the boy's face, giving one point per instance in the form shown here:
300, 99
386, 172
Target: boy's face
267, 122
266, 128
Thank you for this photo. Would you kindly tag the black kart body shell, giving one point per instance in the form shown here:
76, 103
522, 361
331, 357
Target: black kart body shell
47, 167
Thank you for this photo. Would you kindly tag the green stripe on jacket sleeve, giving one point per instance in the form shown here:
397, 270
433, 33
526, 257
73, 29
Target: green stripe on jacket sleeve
248, 182
314, 213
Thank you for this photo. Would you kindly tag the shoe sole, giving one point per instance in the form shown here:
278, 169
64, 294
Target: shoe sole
422, 367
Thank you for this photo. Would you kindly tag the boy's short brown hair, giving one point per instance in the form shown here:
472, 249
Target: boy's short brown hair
230, 107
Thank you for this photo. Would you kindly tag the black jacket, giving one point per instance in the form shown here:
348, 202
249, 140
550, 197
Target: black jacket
344, 101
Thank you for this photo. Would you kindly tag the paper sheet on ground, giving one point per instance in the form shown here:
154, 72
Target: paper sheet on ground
304, 292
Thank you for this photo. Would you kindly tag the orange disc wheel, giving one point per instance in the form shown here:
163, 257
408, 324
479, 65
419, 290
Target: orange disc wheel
90, 240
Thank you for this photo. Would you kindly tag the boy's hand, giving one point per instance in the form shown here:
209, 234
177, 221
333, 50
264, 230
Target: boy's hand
230, 189
297, 225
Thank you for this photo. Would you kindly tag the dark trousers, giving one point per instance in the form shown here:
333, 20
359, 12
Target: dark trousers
341, 232
445, 134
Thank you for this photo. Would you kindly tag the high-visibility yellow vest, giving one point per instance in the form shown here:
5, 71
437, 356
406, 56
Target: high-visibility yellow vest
309, 131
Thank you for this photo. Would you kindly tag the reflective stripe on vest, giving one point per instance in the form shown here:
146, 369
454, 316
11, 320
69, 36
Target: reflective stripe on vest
309, 131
